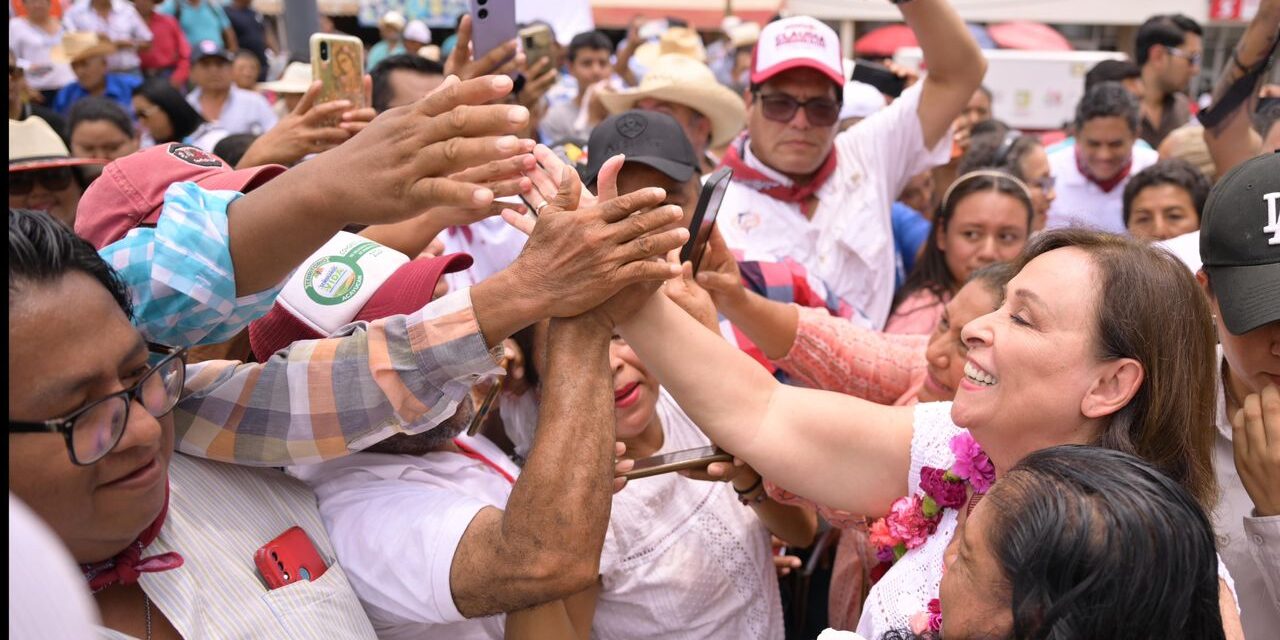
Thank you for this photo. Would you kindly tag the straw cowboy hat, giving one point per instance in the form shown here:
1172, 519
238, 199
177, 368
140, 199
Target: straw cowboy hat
676, 40
33, 144
393, 19
79, 45
683, 80
295, 79
745, 34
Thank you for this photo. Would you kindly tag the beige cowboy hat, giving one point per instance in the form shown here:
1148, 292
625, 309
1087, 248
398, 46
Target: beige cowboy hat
295, 79
674, 41
33, 144
78, 45
745, 34
683, 80
393, 19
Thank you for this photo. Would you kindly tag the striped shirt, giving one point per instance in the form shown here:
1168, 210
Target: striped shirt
219, 515
179, 273
320, 399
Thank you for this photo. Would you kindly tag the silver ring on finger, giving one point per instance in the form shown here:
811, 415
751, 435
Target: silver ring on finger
537, 211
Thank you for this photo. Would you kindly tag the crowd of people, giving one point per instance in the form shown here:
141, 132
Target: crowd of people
282, 367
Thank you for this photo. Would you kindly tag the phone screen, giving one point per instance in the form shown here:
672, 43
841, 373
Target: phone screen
676, 461
704, 218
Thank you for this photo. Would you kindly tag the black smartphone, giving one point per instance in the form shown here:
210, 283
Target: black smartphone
879, 76
677, 461
704, 217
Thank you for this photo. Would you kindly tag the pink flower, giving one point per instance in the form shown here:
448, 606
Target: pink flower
880, 537
935, 615
946, 493
971, 463
908, 523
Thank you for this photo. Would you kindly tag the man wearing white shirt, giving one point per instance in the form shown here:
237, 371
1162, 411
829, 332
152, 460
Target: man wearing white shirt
219, 101
117, 21
442, 532
1093, 172
804, 192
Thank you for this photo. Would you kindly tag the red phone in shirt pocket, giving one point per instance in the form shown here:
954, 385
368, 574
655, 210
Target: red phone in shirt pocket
290, 557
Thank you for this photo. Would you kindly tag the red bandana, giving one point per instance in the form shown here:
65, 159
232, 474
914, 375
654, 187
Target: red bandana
750, 177
1105, 185
128, 565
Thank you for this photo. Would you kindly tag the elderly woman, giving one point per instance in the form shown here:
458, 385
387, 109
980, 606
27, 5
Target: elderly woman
1075, 354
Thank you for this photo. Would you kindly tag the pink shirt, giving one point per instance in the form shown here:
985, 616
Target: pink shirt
837, 355
918, 314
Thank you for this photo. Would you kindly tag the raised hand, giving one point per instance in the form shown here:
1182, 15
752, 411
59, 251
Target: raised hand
501, 61
1255, 436
309, 128
404, 161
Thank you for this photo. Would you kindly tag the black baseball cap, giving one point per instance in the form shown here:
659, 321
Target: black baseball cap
210, 49
646, 137
1240, 243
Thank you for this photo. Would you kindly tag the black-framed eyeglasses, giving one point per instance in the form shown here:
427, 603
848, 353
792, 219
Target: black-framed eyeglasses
95, 429
780, 107
53, 179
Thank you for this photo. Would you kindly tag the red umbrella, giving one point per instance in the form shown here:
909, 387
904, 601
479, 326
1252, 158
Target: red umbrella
1028, 36
883, 42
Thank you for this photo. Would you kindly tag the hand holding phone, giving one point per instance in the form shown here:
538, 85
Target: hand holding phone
337, 61
290, 557
677, 461
879, 76
493, 24
704, 217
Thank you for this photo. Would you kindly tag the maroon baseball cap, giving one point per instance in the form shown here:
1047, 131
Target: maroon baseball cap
130, 191
405, 291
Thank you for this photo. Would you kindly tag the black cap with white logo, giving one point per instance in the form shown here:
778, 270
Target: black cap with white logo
646, 137
1240, 243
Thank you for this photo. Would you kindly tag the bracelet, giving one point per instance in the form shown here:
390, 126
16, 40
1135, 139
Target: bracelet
742, 495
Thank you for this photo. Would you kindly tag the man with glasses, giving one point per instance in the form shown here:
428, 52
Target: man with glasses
1169, 49
802, 191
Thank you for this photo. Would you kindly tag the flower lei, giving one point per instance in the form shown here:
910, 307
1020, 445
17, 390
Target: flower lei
912, 519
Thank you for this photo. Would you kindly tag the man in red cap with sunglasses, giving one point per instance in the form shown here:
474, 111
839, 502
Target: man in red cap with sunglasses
802, 191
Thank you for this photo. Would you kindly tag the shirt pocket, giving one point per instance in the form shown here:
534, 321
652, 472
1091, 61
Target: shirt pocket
326, 607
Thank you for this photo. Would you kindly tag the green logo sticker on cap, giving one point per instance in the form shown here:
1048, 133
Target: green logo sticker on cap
333, 280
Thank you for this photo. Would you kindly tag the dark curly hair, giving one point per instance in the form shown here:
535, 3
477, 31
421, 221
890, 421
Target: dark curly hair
1172, 171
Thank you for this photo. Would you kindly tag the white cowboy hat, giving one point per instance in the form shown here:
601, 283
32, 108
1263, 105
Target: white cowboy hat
393, 19
33, 144
676, 40
78, 45
745, 34
417, 31
683, 80
295, 79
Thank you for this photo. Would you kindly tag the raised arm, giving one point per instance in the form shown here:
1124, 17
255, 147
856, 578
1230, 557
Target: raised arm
956, 65
546, 545
835, 449
1228, 123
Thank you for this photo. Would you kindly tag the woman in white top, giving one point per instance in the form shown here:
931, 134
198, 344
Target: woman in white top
682, 558
1100, 340
33, 38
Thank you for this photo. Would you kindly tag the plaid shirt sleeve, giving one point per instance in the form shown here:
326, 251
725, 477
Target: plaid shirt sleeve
179, 273
320, 399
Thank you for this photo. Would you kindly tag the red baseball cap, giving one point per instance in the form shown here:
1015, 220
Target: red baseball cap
799, 42
130, 191
408, 289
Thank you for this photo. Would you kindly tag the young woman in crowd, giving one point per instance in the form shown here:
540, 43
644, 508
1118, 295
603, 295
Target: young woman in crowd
985, 217
1164, 200
824, 352
1072, 356
670, 535
99, 128
165, 115
995, 146
1040, 557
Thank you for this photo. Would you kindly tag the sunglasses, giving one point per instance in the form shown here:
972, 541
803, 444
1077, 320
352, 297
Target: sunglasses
780, 107
22, 183
1194, 58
